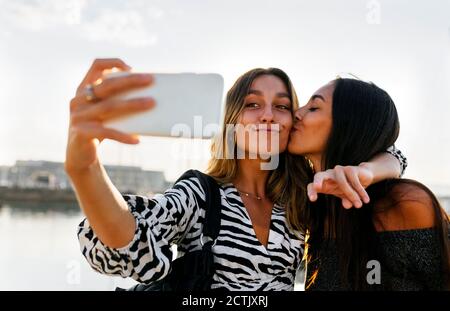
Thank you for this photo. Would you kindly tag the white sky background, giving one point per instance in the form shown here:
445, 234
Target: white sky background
47, 46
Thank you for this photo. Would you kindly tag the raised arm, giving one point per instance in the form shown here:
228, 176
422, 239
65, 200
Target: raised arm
99, 199
126, 235
103, 206
159, 222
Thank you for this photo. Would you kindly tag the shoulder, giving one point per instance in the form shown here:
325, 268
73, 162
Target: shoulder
406, 205
190, 179
197, 183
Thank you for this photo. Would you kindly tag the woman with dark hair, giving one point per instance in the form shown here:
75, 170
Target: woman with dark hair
399, 239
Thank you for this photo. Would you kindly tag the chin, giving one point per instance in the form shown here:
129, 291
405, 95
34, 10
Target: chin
293, 149
295, 146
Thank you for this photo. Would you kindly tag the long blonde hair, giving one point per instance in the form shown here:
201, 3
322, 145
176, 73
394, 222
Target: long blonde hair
223, 163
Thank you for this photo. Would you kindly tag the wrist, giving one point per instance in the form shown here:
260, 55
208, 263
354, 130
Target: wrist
76, 173
371, 173
367, 165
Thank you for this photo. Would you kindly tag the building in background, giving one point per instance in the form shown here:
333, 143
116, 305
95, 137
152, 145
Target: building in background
48, 181
48, 175
4, 175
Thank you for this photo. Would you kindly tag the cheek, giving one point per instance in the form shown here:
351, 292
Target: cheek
286, 121
284, 135
315, 123
323, 133
313, 136
247, 117
295, 143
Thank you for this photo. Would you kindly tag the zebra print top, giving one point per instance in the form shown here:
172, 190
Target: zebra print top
241, 261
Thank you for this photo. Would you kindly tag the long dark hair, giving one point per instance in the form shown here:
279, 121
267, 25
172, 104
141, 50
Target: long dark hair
365, 123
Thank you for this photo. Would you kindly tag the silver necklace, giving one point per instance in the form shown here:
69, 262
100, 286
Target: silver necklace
249, 194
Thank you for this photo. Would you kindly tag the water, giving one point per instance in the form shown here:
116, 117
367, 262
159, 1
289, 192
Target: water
40, 250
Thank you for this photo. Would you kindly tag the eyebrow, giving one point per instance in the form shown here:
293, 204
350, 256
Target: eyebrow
317, 96
259, 93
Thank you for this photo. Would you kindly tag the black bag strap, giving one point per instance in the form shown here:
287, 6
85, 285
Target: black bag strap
213, 203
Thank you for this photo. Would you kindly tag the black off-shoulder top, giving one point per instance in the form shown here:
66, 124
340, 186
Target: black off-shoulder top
409, 260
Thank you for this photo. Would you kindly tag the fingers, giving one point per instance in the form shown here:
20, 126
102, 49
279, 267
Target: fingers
98, 66
94, 130
312, 193
346, 203
113, 86
110, 87
353, 178
343, 184
319, 179
110, 109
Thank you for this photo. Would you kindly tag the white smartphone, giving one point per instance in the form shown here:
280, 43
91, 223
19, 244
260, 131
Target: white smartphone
188, 105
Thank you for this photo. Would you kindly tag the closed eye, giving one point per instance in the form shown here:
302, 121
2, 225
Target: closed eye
313, 109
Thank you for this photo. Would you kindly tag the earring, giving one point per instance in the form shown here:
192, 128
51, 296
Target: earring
311, 165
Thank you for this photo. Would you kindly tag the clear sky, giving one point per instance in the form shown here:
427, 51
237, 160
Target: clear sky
46, 47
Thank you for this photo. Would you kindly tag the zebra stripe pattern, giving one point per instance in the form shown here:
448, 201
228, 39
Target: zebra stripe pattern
400, 157
175, 217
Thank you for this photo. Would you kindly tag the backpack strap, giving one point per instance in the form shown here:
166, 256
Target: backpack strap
213, 203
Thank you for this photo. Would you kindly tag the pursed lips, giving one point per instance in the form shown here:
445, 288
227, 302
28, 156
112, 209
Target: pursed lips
267, 129
296, 127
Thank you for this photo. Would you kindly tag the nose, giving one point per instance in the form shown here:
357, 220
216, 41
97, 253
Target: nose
267, 115
298, 114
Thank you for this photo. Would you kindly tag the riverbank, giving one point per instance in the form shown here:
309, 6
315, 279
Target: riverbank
39, 195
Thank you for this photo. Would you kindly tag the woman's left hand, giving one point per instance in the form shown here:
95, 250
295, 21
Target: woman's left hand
345, 182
